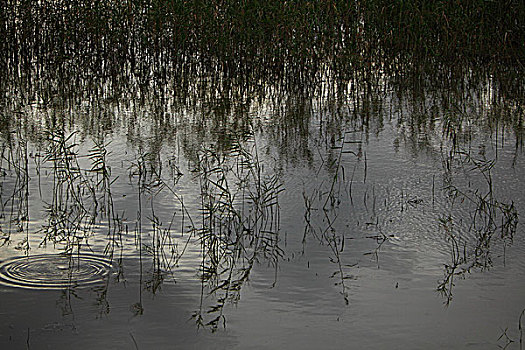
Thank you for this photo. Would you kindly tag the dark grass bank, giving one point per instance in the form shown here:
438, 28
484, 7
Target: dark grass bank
274, 34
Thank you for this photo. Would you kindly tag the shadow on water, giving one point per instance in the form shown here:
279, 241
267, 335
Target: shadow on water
154, 144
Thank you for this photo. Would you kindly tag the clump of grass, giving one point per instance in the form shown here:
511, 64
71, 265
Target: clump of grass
14, 200
236, 223
239, 223
491, 220
79, 197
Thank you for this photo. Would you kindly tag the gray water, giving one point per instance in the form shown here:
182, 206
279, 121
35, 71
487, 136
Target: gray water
364, 221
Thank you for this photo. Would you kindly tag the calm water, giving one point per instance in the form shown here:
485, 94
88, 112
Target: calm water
370, 220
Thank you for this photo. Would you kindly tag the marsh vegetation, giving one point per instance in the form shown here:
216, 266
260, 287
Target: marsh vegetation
191, 173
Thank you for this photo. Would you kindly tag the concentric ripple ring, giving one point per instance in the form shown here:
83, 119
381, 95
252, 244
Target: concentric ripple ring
54, 271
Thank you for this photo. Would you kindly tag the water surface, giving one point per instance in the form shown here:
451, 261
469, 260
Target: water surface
176, 200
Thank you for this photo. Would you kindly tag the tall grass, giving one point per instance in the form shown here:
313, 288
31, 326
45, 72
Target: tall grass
247, 38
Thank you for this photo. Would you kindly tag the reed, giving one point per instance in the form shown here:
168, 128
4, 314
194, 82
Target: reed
240, 223
492, 220
14, 198
249, 39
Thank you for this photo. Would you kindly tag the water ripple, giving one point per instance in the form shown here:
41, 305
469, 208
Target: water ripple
54, 271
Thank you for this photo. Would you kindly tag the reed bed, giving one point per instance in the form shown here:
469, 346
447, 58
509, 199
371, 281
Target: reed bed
250, 40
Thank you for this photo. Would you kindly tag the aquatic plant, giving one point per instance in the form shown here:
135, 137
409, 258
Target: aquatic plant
14, 195
240, 223
490, 220
65, 43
